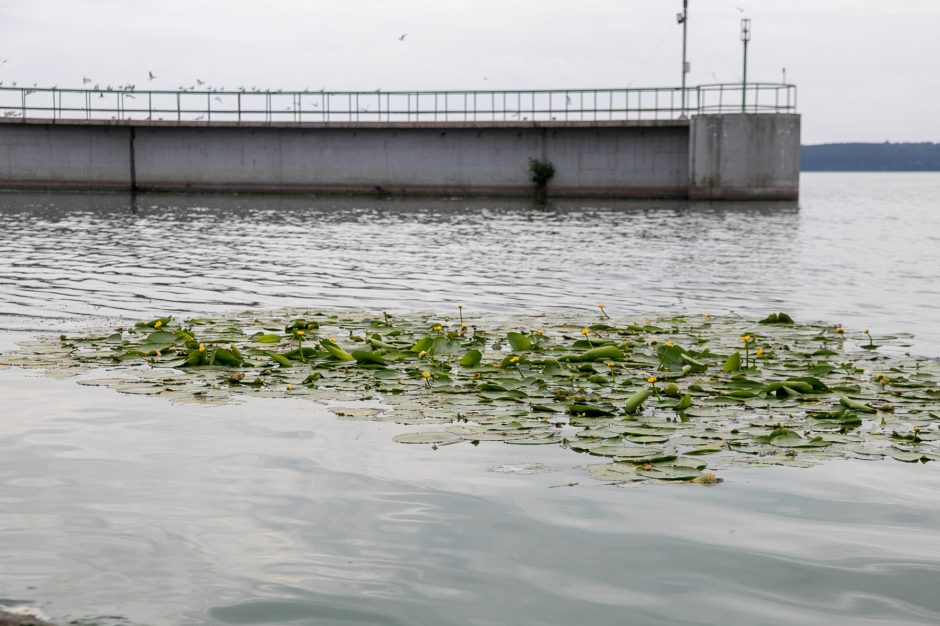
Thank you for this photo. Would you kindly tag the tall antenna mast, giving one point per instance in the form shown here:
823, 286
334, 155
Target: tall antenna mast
745, 37
683, 18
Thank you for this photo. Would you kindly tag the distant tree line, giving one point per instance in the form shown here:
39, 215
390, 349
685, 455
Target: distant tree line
871, 157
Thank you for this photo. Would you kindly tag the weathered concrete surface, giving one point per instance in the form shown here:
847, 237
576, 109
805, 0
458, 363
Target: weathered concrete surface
42, 156
744, 156
648, 159
623, 161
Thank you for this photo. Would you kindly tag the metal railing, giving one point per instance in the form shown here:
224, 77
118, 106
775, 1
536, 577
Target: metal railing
543, 105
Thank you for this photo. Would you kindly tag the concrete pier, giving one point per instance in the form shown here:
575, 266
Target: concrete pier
724, 156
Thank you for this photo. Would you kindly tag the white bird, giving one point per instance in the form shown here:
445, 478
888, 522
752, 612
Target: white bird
218, 99
199, 82
151, 75
402, 38
85, 80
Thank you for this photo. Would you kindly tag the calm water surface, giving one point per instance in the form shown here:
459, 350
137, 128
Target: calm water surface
126, 510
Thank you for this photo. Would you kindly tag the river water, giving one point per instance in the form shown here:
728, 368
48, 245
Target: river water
120, 509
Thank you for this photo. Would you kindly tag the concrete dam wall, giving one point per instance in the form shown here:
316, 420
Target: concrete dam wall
726, 156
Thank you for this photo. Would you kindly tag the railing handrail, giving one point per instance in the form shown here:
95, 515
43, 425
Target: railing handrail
600, 104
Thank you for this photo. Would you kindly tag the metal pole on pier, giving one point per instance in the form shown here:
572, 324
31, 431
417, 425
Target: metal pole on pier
683, 18
745, 37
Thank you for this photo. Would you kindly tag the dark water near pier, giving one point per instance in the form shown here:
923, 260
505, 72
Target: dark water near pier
122, 509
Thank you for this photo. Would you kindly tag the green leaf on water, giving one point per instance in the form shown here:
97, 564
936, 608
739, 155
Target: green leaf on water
471, 358
518, 341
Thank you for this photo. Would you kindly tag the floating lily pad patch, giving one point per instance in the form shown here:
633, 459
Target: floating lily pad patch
662, 399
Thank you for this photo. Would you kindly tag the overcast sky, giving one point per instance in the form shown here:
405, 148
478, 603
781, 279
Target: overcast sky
866, 70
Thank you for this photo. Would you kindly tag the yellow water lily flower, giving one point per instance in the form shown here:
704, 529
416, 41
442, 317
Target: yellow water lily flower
158, 324
426, 374
651, 380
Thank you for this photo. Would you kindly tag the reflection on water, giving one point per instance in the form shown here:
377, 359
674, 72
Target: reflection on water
99, 255
860, 250
276, 512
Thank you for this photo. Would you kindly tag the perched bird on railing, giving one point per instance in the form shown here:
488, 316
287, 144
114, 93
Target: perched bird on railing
151, 75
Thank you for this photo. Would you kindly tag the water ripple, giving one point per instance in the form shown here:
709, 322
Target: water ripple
858, 249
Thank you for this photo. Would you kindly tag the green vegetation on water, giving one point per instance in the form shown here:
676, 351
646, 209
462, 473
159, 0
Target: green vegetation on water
675, 398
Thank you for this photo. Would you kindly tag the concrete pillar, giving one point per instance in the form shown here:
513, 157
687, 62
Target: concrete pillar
744, 156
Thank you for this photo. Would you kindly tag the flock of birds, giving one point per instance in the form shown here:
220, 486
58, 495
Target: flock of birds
200, 86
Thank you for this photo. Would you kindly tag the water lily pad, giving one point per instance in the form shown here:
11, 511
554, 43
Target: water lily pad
427, 438
634, 390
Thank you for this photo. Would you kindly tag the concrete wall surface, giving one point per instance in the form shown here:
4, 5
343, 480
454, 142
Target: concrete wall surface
44, 156
742, 156
723, 156
588, 161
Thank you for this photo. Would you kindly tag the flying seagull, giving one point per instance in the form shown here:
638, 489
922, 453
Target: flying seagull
151, 75
85, 80
402, 38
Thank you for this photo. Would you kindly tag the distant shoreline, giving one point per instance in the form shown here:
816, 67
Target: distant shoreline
870, 157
